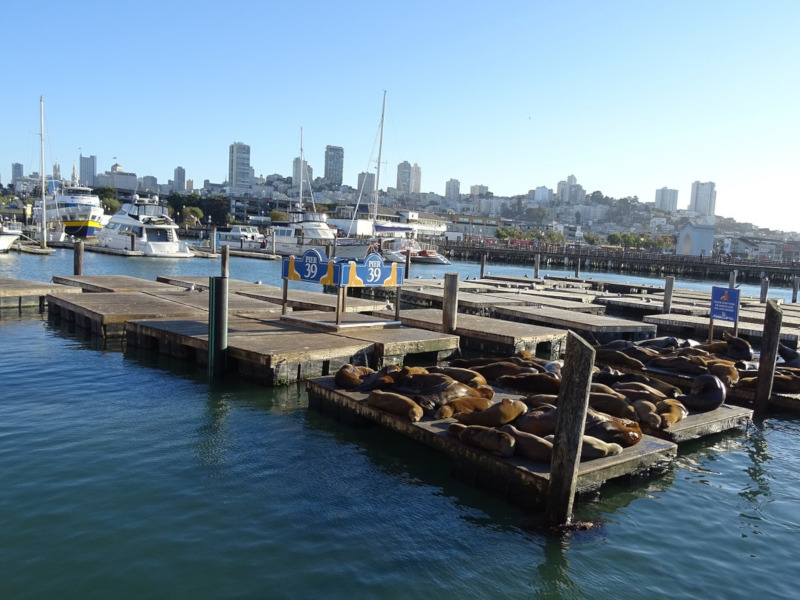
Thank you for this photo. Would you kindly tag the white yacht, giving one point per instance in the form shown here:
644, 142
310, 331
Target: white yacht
10, 232
143, 224
241, 237
305, 229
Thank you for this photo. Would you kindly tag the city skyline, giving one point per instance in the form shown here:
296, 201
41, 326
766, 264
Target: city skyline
631, 98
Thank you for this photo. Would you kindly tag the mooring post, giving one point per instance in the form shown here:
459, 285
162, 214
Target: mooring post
732, 278
537, 261
573, 403
78, 257
764, 289
578, 267
795, 286
340, 294
398, 291
213, 240
669, 285
217, 326
450, 303
407, 272
773, 318
225, 260
285, 300
483, 264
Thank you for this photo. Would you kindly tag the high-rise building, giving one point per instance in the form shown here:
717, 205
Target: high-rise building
452, 190
570, 192
334, 164
300, 169
416, 179
404, 177
88, 170
366, 184
704, 198
16, 171
667, 200
149, 183
180, 179
239, 165
478, 190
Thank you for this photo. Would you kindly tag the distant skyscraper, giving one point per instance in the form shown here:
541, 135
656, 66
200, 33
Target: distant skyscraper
704, 198
16, 171
88, 170
150, 183
667, 200
239, 165
304, 171
404, 177
180, 179
416, 179
334, 164
452, 190
542, 195
478, 190
366, 185
570, 192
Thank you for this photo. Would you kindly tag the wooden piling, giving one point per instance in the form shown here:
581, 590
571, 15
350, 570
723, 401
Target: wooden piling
764, 289
573, 403
225, 261
450, 303
537, 261
732, 278
77, 266
483, 264
773, 319
795, 286
213, 240
407, 272
578, 267
217, 326
669, 284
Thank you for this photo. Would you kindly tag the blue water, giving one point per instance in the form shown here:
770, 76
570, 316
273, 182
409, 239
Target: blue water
130, 475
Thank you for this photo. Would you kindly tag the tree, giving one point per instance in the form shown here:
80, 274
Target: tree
278, 216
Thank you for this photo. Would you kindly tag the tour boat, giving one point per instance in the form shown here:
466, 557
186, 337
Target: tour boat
74, 209
430, 257
143, 225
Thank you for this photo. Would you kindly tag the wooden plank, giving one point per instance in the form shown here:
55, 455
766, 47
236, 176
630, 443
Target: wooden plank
529, 298
109, 283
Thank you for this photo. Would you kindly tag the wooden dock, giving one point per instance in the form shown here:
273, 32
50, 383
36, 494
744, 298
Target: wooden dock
21, 294
599, 328
489, 335
697, 326
520, 480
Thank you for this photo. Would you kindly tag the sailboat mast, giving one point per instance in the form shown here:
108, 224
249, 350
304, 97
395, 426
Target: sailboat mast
43, 241
378, 173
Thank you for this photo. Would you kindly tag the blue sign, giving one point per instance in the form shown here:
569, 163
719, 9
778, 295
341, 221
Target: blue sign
371, 272
724, 304
313, 267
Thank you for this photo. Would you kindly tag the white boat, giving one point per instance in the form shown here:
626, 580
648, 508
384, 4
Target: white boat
241, 237
75, 209
429, 256
305, 229
143, 225
10, 232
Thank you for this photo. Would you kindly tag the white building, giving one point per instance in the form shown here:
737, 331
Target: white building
704, 198
239, 166
667, 200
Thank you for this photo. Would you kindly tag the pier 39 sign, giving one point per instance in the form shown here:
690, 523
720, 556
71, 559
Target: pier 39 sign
313, 267
724, 304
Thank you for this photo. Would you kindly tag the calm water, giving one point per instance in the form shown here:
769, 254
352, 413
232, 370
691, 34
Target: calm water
129, 475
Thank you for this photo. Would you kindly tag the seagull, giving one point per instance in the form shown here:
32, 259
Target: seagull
389, 306
257, 282
191, 288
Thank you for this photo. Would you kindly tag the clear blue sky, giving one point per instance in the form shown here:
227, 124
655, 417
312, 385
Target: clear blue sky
629, 96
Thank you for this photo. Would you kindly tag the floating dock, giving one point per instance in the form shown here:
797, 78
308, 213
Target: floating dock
21, 294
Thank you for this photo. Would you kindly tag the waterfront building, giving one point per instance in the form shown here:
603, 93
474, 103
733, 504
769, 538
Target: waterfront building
334, 164
149, 183
239, 172
704, 198
695, 240
118, 179
366, 185
88, 170
180, 179
667, 200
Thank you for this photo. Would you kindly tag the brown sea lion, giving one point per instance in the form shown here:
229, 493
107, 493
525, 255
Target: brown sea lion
418, 383
538, 422
468, 376
462, 404
529, 445
471, 363
495, 370
540, 383
707, 393
541, 401
679, 364
647, 414
379, 380
592, 447
612, 377
671, 411
642, 354
496, 415
395, 404
624, 387
349, 376
616, 357
609, 428
602, 388
790, 356
732, 347
612, 404
490, 439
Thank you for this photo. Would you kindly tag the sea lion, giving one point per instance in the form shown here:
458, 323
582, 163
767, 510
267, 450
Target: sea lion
625, 387
419, 383
612, 404
541, 401
468, 376
662, 343
592, 447
462, 404
609, 428
490, 439
395, 404
541, 383
379, 380
641, 353
529, 445
538, 422
349, 376
647, 414
680, 364
671, 411
495, 370
731, 347
707, 393
616, 357
790, 356
496, 415
612, 377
